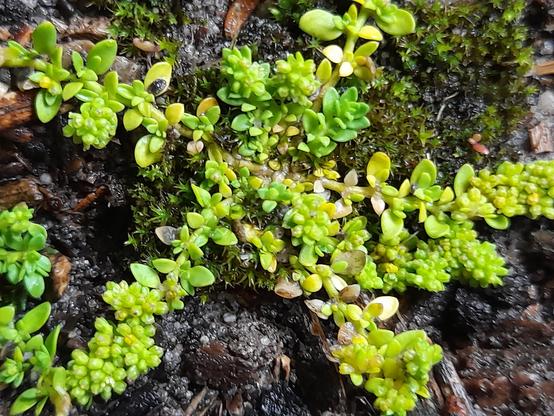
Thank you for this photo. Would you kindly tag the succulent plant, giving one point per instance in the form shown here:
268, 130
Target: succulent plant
295, 80
20, 243
343, 116
116, 355
246, 80
310, 220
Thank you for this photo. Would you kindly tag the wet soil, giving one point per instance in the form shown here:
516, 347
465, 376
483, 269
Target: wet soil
239, 352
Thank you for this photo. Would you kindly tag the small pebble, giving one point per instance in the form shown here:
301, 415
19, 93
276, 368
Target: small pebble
546, 103
45, 179
547, 47
204, 339
265, 341
229, 317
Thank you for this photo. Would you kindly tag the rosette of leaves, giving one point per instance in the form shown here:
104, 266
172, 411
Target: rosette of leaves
295, 79
135, 300
343, 116
246, 80
203, 123
267, 244
95, 125
257, 130
220, 174
20, 243
275, 193
139, 99
326, 26
47, 75
179, 270
116, 355
394, 368
180, 281
310, 220
32, 355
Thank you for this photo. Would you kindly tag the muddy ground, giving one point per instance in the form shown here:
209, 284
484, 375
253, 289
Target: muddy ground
230, 354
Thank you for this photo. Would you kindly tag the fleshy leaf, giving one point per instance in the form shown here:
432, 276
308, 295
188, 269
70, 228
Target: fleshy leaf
44, 38
434, 228
424, 174
143, 156
378, 168
25, 401
102, 55
45, 111
391, 224
498, 222
161, 74
200, 276
164, 265
320, 24
145, 275
399, 23
463, 179
33, 320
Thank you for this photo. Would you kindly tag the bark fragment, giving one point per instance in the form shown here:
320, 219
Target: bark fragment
16, 109
22, 190
540, 138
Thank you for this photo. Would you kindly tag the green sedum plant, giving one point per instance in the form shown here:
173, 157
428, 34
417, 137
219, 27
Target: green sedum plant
273, 201
20, 244
30, 355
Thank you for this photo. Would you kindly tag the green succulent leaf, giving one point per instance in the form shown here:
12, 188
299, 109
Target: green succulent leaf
424, 174
25, 401
102, 55
398, 23
111, 82
34, 285
51, 342
44, 38
224, 237
378, 168
434, 228
145, 275
71, 89
367, 49
498, 222
33, 320
174, 112
200, 276
463, 179
6, 315
161, 74
391, 224
195, 220
324, 71
143, 156
164, 265
47, 105
202, 196
320, 24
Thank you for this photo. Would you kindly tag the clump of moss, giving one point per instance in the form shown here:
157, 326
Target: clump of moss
460, 73
285, 11
143, 19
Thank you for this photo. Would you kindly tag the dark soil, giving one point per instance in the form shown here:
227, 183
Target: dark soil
228, 355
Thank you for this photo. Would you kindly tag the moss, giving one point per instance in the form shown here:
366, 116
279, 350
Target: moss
288, 11
143, 19
460, 74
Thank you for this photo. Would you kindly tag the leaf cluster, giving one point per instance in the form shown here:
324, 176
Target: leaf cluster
20, 244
